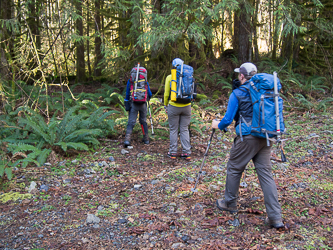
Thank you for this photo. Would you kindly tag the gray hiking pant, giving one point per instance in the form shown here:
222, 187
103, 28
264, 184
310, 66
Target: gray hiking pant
241, 153
140, 108
179, 117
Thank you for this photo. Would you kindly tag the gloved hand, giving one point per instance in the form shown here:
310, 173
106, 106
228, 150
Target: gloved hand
215, 123
128, 105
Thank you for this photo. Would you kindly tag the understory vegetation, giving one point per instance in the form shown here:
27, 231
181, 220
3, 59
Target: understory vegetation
77, 122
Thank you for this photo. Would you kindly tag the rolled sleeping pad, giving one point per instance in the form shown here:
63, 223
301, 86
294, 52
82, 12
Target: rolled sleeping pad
173, 90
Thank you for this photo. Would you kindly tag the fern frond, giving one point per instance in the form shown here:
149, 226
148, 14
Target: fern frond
21, 147
79, 135
36, 128
68, 128
74, 145
43, 156
9, 173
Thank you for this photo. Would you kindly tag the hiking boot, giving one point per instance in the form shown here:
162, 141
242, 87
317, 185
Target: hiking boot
172, 156
127, 141
221, 204
145, 139
185, 156
274, 223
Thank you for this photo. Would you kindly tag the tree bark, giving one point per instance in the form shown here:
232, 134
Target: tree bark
88, 43
255, 38
33, 21
98, 40
7, 42
80, 63
244, 35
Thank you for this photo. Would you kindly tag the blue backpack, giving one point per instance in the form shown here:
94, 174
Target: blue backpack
261, 89
185, 83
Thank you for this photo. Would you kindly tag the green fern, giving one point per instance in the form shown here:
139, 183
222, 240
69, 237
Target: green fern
303, 101
322, 105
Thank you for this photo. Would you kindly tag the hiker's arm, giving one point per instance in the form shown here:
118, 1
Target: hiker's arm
128, 96
167, 90
230, 114
150, 94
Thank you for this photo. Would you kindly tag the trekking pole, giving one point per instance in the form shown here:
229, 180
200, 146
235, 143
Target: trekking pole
136, 79
180, 93
151, 120
203, 161
277, 114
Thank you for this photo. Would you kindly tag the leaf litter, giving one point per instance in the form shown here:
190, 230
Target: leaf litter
143, 200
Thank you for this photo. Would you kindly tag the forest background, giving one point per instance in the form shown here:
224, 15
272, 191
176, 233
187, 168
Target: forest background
50, 47
67, 182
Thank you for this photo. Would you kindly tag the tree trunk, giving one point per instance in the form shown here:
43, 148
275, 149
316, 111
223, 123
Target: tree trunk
88, 43
98, 40
244, 36
193, 53
5, 38
255, 38
235, 40
33, 22
80, 63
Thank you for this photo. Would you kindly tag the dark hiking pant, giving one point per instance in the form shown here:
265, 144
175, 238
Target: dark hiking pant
140, 108
179, 117
255, 149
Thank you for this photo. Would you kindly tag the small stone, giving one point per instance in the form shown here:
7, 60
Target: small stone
100, 207
122, 221
74, 161
234, 223
186, 238
40, 236
95, 226
155, 182
47, 164
178, 246
129, 147
67, 181
190, 179
137, 186
32, 186
86, 171
173, 204
44, 188
62, 163
91, 218
213, 188
111, 158
123, 151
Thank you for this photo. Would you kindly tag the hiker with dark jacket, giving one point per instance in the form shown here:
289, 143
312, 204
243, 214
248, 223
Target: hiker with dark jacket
179, 116
251, 148
134, 109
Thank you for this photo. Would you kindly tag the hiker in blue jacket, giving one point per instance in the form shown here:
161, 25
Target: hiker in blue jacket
245, 148
135, 108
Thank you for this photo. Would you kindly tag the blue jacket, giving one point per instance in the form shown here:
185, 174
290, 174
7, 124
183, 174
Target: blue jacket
128, 91
239, 109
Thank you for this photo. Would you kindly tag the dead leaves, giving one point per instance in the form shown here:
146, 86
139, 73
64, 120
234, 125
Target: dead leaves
217, 221
136, 230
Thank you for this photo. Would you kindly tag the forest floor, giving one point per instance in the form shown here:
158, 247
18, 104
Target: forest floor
138, 198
